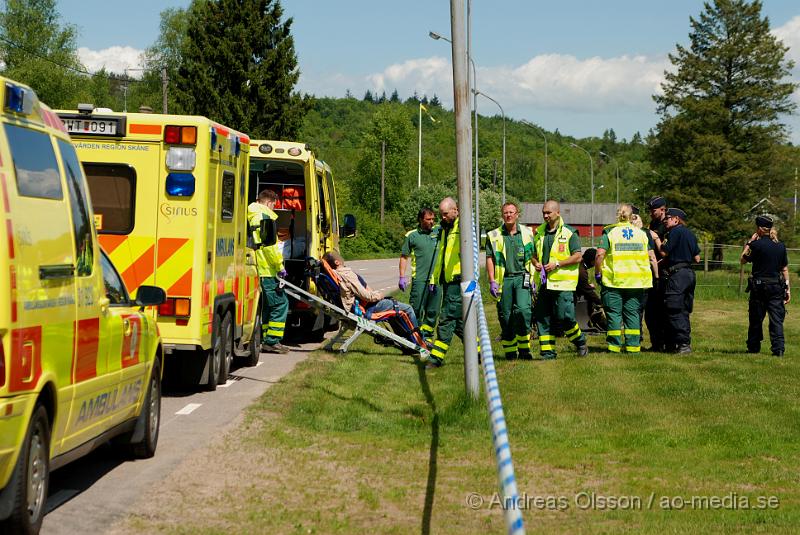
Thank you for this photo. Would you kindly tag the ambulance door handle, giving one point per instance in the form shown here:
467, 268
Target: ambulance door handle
126, 327
56, 271
104, 302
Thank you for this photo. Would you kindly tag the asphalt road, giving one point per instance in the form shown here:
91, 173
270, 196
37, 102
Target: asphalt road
88, 495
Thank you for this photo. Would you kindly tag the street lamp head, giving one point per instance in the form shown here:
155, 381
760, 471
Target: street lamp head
437, 36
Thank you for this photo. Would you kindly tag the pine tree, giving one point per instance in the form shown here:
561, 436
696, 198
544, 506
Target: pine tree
720, 117
239, 67
435, 101
395, 97
368, 96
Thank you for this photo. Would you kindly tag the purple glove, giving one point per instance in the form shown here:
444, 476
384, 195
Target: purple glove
402, 284
543, 279
432, 288
494, 289
282, 274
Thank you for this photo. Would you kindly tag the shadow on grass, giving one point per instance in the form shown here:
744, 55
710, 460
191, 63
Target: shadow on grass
430, 488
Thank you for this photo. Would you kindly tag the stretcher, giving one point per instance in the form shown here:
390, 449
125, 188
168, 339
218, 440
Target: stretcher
354, 320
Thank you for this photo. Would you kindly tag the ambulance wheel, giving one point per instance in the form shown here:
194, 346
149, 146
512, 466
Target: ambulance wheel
149, 418
214, 359
226, 362
255, 342
30, 478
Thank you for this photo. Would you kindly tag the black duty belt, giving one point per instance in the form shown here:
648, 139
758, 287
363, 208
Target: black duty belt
677, 267
768, 280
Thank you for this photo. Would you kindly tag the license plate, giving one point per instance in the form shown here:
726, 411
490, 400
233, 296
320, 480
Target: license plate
102, 127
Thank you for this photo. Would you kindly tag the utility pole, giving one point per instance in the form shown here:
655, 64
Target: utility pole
383, 176
461, 92
164, 90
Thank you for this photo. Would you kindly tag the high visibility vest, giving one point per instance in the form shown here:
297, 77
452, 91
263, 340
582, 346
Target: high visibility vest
565, 278
269, 260
450, 250
498, 245
627, 262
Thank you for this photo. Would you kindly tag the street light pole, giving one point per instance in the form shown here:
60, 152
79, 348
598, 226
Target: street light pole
617, 167
419, 162
541, 133
591, 174
468, 274
502, 111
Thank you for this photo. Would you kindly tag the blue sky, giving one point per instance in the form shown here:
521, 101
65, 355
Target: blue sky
580, 66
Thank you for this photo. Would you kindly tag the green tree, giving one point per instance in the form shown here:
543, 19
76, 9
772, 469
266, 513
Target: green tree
38, 50
720, 117
238, 66
391, 125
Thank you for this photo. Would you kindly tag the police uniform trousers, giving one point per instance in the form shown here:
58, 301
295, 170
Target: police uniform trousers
555, 312
274, 308
623, 312
678, 304
450, 321
514, 312
654, 314
426, 306
766, 298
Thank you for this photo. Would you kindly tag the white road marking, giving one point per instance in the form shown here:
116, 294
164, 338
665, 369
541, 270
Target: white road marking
228, 383
189, 408
259, 364
362, 269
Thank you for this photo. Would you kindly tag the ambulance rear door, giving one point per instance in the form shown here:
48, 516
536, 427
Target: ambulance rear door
123, 180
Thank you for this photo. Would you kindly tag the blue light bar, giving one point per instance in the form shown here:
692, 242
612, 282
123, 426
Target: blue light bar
180, 184
18, 99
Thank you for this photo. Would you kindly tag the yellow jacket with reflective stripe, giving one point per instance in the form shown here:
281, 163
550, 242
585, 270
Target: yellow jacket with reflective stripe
627, 262
451, 250
565, 278
269, 260
499, 244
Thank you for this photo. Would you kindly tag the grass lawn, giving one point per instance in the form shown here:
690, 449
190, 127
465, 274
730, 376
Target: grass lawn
369, 442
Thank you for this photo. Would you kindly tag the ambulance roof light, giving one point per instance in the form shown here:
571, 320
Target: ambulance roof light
19, 99
264, 148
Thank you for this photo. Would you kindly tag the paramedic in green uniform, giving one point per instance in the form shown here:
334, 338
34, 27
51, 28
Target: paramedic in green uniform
420, 245
447, 274
509, 250
269, 261
625, 266
556, 257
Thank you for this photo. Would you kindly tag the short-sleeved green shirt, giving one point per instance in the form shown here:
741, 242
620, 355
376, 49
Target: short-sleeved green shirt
514, 251
421, 245
550, 236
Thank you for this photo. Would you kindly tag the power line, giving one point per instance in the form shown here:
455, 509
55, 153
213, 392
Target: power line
63, 66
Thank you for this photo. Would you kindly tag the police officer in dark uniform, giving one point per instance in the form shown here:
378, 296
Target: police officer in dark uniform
679, 251
768, 285
654, 314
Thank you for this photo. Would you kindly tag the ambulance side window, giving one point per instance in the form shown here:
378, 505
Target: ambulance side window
34, 163
228, 188
115, 288
332, 201
79, 205
323, 216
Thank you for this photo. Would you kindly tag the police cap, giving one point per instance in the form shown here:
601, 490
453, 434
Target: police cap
676, 212
656, 202
634, 209
764, 221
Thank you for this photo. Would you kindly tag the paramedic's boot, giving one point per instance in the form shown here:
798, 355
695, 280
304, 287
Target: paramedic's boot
434, 362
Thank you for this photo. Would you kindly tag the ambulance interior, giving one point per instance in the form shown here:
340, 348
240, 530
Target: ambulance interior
287, 180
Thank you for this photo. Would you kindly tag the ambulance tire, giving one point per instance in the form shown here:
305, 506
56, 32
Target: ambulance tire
149, 420
254, 351
214, 359
226, 362
33, 461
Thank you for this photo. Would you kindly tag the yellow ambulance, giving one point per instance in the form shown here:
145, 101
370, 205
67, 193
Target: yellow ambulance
308, 225
170, 201
80, 360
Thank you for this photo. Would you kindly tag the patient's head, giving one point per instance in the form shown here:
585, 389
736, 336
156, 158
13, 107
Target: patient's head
334, 259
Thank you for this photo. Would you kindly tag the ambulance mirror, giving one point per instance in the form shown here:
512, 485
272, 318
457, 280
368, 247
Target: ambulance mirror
348, 228
269, 232
148, 296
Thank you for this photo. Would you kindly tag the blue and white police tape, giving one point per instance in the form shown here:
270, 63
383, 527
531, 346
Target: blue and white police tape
502, 449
